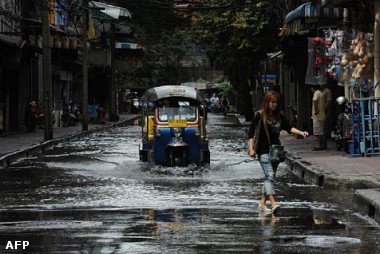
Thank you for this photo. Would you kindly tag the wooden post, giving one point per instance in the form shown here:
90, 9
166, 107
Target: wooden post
47, 80
85, 69
345, 22
113, 101
376, 77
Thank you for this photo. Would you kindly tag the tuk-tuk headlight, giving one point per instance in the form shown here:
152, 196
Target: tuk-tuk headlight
177, 132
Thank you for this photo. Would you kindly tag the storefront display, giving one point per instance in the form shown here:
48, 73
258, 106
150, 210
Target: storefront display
347, 58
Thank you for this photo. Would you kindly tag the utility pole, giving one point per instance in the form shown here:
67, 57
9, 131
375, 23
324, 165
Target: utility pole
47, 81
345, 25
113, 109
85, 68
377, 48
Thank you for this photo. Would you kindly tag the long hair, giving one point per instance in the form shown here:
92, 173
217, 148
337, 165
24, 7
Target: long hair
270, 96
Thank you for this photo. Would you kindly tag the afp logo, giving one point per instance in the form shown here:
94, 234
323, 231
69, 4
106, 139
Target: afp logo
14, 245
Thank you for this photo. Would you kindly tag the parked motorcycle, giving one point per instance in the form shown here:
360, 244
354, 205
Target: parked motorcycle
72, 116
135, 107
343, 128
41, 119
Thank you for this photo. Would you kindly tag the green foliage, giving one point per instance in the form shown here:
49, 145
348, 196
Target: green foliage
237, 35
228, 90
160, 30
236, 32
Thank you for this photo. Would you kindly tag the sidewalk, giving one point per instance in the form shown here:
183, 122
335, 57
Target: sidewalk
24, 144
336, 170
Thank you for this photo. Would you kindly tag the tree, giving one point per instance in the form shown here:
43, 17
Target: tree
237, 35
160, 30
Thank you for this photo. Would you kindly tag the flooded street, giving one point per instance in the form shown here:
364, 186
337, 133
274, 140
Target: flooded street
94, 196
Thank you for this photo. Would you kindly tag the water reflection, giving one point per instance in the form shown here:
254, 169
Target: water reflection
94, 196
268, 223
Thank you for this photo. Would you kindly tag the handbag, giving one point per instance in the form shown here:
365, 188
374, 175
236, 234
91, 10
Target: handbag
276, 153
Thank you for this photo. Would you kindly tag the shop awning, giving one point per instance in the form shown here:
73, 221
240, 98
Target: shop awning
10, 41
307, 16
340, 3
112, 11
311, 9
10, 51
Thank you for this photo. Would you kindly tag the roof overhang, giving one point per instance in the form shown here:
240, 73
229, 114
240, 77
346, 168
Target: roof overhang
10, 41
308, 16
310, 10
112, 11
338, 3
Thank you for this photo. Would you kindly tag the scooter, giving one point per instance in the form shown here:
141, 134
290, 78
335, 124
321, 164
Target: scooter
72, 116
41, 119
343, 128
135, 107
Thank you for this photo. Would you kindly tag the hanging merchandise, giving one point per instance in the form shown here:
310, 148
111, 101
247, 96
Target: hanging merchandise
330, 53
316, 68
358, 62
340, 45
358, 70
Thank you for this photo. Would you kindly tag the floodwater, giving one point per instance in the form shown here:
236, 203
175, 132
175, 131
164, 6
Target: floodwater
94, 196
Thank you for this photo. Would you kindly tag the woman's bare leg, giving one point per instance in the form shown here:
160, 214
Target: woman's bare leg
263, 201
272, 200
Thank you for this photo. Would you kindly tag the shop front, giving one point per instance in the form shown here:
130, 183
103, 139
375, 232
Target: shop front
339, 50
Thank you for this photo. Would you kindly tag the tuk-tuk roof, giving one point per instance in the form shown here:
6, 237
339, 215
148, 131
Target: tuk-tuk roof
160, 92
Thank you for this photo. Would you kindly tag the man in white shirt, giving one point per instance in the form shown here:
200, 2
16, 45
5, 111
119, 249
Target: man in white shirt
318, 116
326, 92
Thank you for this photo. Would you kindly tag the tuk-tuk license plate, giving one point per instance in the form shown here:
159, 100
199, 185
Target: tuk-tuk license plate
177, 123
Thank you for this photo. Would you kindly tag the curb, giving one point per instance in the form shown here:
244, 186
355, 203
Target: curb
36, 149
317, 175
368, 202
366, 192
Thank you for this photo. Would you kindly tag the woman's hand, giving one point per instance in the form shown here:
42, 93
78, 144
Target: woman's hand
304, 134
251, 152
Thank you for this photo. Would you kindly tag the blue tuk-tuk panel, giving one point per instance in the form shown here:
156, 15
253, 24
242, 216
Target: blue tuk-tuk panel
174, 132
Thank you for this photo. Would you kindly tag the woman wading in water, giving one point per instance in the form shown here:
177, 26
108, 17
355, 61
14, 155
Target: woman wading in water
263, 132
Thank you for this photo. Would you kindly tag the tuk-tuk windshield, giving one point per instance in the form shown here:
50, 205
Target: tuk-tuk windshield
177, 110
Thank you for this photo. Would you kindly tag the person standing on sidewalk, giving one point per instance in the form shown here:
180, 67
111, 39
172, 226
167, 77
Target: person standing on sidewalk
268, 121
318, 116
328, 112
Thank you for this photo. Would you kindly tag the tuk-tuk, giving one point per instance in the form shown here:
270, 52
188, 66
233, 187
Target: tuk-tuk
173, 127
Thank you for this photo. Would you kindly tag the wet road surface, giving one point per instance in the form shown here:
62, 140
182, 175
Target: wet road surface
94, 196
